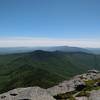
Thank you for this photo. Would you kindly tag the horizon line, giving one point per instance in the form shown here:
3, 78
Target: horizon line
40, 41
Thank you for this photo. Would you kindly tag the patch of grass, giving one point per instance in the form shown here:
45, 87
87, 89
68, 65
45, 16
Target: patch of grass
83, 93
65, 96
89, 87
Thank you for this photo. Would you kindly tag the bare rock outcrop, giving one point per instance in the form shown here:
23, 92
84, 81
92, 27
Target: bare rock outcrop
81, 98
30, 93
66, 86
95, 95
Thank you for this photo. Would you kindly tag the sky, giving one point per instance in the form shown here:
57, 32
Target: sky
50, 22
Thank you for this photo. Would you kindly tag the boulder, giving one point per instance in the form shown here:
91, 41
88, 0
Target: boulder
67, 86
30, 93
94, 95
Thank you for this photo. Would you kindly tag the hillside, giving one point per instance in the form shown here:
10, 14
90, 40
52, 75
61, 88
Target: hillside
44, 69
81, 87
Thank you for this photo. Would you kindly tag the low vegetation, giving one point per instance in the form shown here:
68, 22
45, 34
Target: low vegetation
65, 96
90, 85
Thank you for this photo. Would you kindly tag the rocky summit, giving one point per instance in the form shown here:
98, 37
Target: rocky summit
30, 93
80, 87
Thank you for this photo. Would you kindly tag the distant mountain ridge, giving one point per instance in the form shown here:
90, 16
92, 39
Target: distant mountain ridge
67, 49
94, 50
11, 50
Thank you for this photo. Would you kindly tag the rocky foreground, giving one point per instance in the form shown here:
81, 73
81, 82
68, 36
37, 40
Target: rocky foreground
80, 87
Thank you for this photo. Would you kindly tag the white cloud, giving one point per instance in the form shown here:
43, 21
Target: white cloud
28, 41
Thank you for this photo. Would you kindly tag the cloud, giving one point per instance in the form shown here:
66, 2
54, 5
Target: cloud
28, 41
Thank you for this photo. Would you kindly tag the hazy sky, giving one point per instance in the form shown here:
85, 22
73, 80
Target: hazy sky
49, 22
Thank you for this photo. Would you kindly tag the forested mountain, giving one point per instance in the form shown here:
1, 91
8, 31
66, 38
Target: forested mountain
43, 68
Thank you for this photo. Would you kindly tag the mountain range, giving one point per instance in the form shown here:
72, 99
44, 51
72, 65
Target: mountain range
94, 50
44, 68
10, 50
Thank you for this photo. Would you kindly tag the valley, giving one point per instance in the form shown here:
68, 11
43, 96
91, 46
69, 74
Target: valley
43, 68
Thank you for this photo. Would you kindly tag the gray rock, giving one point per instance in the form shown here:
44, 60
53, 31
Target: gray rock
66, 86
81, 98
30, 93
95, 95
